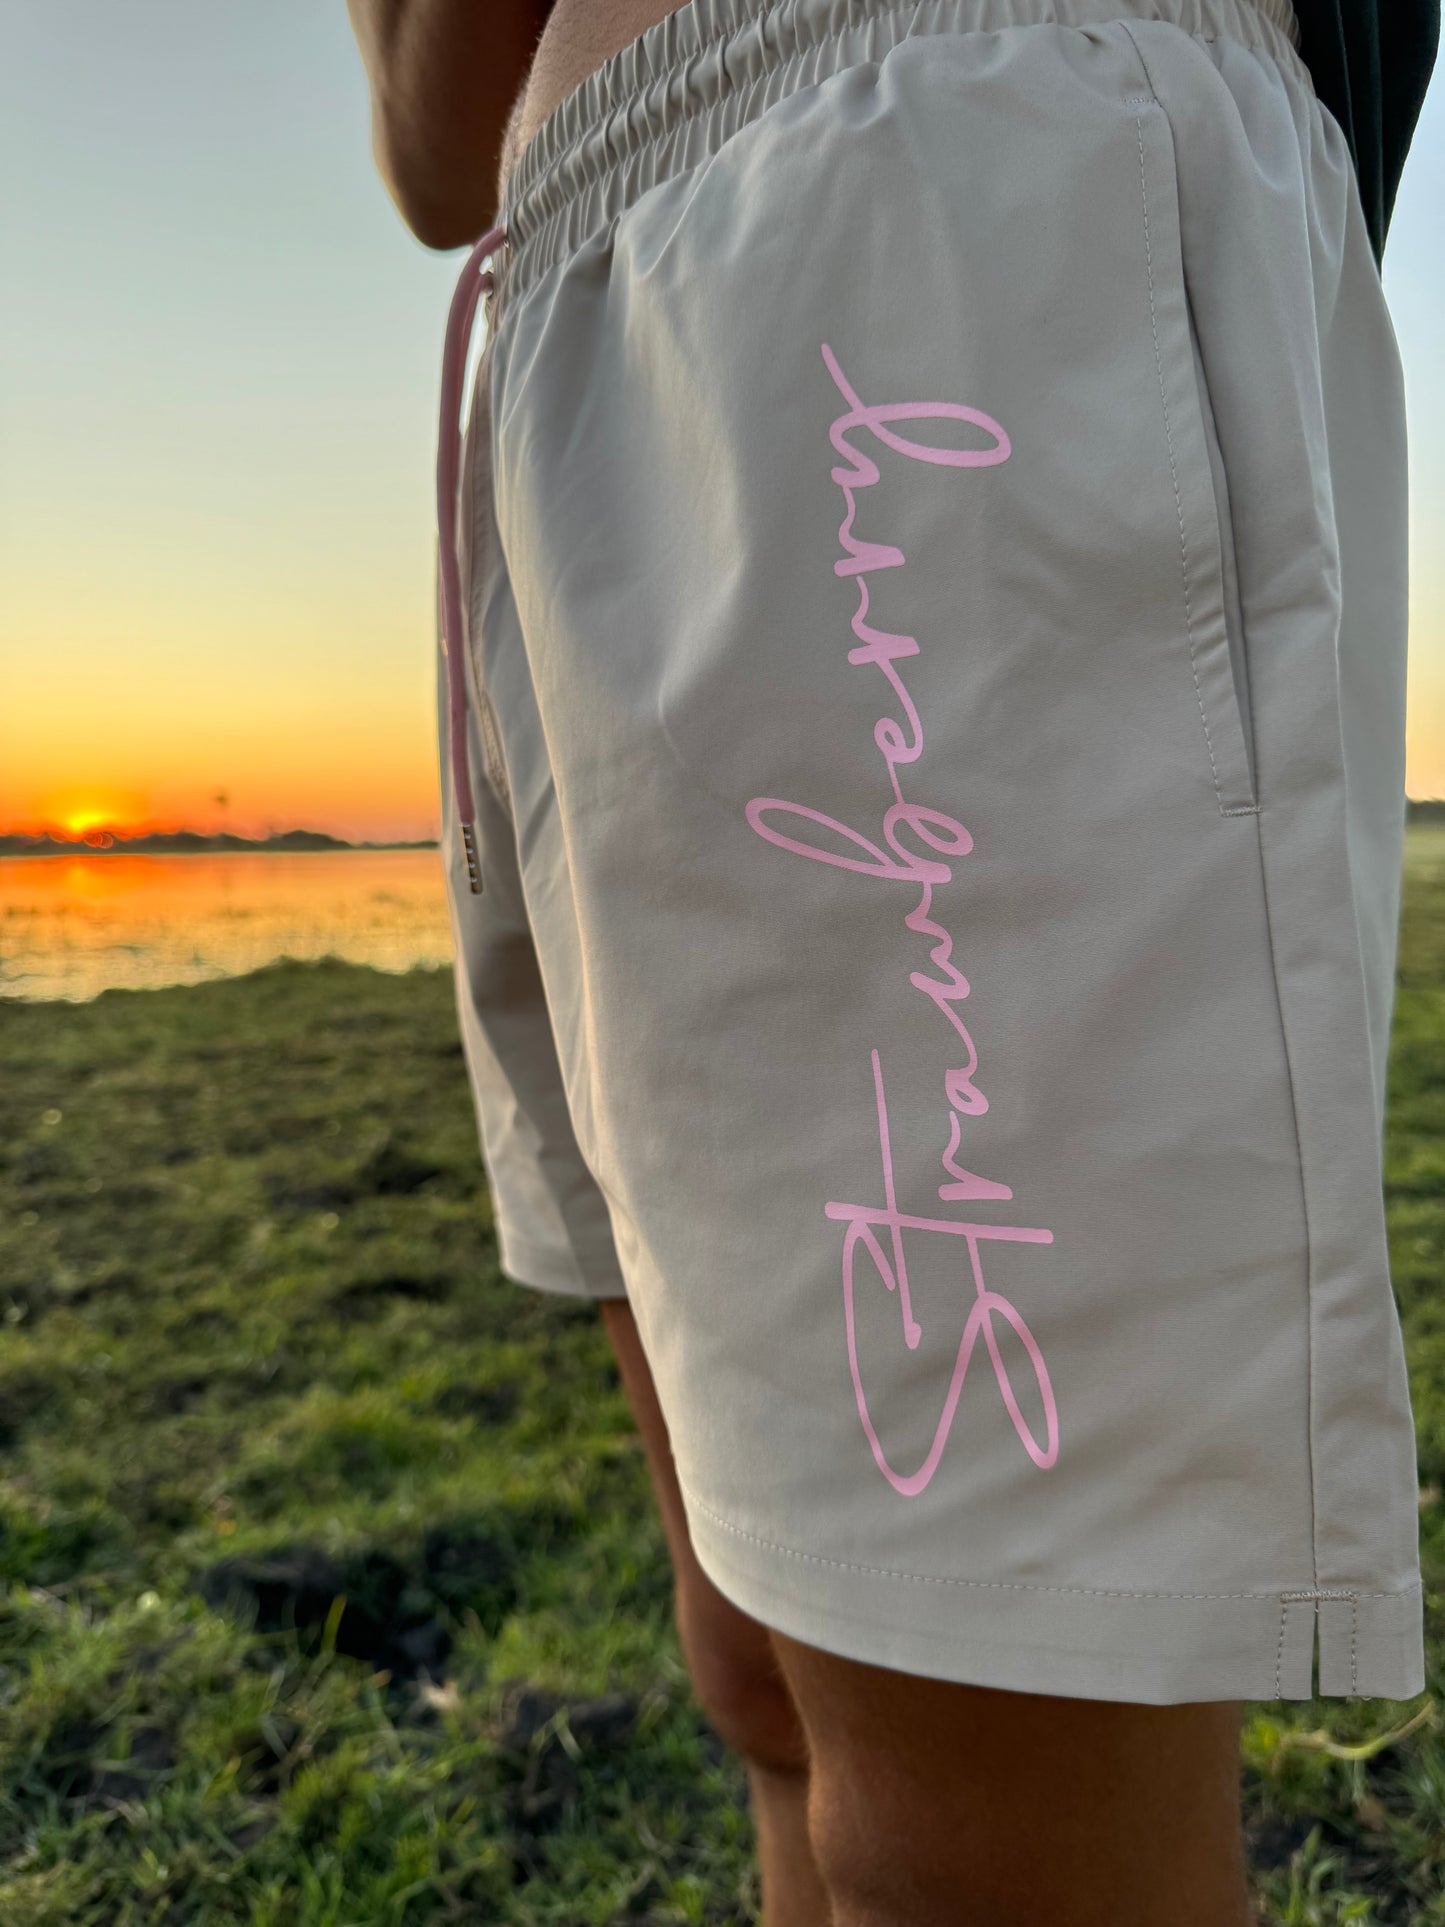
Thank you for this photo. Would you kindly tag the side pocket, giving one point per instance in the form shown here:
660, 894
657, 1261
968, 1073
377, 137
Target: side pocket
1217, 657
1233, 608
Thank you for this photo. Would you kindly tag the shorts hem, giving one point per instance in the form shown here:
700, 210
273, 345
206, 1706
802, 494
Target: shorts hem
561, 1273
1151, 1648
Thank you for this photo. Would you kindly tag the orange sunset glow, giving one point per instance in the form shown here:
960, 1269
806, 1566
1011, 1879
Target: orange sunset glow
217, 535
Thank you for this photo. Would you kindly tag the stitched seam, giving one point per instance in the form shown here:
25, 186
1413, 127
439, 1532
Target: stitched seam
1003, 1585
1306, 1211
1174, 475
1354, 1646
1279, 1650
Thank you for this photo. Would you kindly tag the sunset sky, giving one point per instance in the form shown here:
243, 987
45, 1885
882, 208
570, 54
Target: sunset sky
218, 369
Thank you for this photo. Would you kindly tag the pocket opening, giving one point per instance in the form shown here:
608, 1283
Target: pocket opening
1229, 564
1212, 606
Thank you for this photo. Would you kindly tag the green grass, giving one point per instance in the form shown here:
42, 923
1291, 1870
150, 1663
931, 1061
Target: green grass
258, 1359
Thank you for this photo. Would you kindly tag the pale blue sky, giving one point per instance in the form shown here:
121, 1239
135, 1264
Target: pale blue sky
218, 371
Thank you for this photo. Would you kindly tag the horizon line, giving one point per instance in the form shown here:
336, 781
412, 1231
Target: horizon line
100, 839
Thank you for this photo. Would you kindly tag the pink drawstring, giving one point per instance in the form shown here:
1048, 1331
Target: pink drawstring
475, 281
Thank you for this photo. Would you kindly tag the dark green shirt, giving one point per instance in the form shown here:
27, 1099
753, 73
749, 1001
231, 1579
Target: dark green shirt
1370, 61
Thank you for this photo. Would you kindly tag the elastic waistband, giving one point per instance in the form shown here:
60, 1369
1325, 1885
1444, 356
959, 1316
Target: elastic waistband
670, 99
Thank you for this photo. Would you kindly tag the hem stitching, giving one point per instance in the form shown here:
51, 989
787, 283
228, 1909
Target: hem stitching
1010, 1585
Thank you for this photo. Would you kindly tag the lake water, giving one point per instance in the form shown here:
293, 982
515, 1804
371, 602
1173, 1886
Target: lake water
72, 926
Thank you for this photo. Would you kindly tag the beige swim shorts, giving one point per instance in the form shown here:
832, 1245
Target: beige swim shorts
933, 561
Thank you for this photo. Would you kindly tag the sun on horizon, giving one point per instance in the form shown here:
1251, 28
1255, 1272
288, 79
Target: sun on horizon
98, 815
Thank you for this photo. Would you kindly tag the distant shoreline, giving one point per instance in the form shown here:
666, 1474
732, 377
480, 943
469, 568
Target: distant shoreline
303, 842
194, 843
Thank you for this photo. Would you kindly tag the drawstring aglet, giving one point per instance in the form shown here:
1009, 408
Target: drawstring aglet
469, 850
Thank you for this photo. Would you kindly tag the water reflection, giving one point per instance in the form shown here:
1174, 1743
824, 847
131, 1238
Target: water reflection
72, 926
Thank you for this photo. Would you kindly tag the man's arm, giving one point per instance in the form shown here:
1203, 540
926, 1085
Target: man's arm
444, 75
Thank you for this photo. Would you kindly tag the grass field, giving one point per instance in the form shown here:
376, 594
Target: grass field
332, 1592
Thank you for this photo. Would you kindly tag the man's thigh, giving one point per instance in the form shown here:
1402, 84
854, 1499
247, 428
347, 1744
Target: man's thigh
928, 1795
937, 1802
